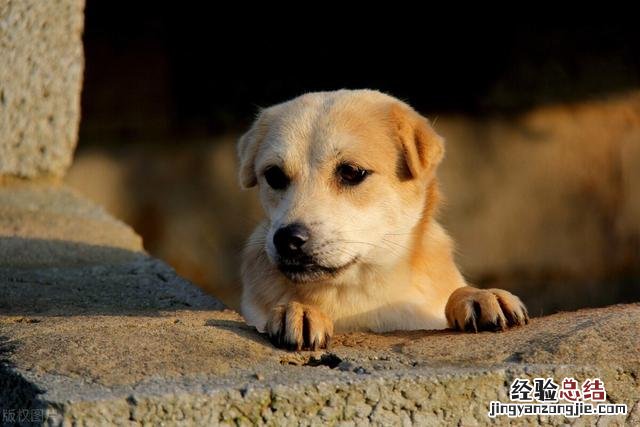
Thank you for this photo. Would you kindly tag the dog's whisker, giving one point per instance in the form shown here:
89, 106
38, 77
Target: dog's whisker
386, 247
252, 244
350, 255
391, 249
256, 241
358, 243
387, 241
336, 248
260, 240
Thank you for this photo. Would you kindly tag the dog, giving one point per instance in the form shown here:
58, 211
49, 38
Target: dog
350, 242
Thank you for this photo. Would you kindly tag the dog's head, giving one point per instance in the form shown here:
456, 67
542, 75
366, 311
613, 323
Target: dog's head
342, 177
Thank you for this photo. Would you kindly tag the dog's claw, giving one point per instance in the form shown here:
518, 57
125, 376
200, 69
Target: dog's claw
474, 310
470, 325
501, 322
297, 327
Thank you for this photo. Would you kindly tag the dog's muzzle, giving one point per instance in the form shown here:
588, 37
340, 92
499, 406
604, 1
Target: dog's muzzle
294, 260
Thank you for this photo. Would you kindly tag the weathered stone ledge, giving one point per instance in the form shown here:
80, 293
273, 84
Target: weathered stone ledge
96, 332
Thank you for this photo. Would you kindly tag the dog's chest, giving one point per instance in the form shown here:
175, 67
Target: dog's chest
382, 310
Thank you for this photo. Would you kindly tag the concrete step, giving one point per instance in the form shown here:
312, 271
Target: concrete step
94, 331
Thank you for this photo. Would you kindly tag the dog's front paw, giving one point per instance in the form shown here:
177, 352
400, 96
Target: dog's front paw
296, 326
474, 310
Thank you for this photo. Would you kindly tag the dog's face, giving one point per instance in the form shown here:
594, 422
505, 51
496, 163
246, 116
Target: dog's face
342, 178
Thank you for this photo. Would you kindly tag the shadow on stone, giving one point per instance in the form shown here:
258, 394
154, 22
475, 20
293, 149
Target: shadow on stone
40, 277
31, 253
239, 328
15, 391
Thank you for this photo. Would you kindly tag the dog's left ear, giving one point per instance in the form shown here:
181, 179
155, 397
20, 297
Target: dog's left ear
422, 148
248, 148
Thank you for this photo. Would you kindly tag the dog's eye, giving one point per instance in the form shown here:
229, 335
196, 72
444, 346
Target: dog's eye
276, 178
350, 174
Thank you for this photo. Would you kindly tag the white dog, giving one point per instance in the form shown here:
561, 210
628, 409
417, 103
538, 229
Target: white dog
347, 181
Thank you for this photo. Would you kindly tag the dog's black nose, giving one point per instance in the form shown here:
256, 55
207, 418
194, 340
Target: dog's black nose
289, 240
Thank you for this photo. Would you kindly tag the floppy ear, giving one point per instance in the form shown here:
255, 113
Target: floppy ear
247, 149
422, 148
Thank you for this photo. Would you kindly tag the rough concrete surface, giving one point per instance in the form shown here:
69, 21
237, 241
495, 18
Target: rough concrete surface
119, 338
40, 80
51, 225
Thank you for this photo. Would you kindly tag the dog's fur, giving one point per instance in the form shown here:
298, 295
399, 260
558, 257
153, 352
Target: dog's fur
386, 262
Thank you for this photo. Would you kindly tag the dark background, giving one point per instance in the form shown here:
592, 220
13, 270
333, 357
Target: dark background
542, 122
155, 70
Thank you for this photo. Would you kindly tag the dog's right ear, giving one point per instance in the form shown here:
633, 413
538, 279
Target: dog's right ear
248, 148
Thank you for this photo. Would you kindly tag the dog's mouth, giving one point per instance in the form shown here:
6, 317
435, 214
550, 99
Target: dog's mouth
307, 270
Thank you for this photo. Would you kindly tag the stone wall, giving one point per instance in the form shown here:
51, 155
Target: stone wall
40, 80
